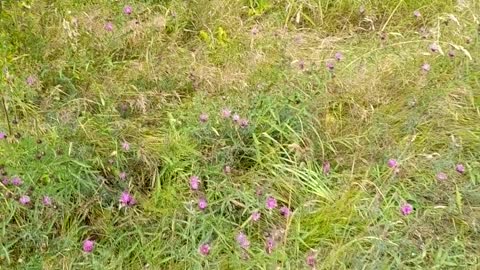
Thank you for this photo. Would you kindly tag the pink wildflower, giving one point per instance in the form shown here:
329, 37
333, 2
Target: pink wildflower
202, 203
126, 199
271, 202
108, 27
194, 182
127, 10
284, 211
256, 216
25, 199
88, 245
406, 209
204, 249
460, 168
243, 241
441, 176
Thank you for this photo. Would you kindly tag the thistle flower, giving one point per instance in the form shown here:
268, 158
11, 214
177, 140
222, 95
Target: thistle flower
108, 27
127, 10
3, 135
311, 260
326, 167
194, 182
242, 240
339, 56
88, 245
460, 168
204, 249
126, 199
441, 176
243, 123
426, 67
406, 209
202, 203
271, 202
256, 216
284, 211
269, 244
47, 201
227, 169
236, 118
122, 176
392, 163
330, 65
226, 113
203, 117
31, 80
125, 146
301, 64
434, 47
25, 199
17, 181
417, 14
5, 181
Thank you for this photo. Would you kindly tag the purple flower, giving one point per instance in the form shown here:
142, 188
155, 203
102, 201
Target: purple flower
125, 146
31, 80
451, 53
441, 176
227, 169
243, 123
242, 240
202, 203
16, 181
204, 249
126, 199
460, 168
284, 211
236, 118
301, 64
269, 244
392, 163
88, 245
108, 26
255, 30
417, 14
47, 201
256, 216
326, 167
271, 202
122, 176
226, 113
339, 56
194, 182
5, 181
406, 209
311, 260
203, 117
259, 191
426, 67
25, 199
127, 10
434, 47
330, 65
3, 135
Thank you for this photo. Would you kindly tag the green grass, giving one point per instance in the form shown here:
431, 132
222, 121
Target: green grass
148, 81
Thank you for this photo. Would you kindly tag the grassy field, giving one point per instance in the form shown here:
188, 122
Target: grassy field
240, 134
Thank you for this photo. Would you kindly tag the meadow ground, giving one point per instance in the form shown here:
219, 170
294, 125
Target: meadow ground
242, 134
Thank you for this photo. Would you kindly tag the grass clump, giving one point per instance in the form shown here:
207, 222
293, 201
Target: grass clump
239, 134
